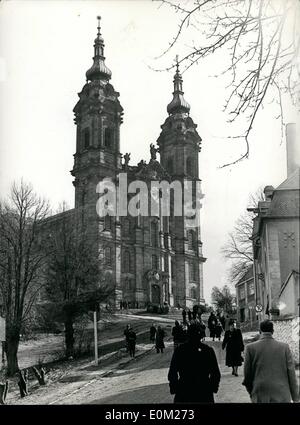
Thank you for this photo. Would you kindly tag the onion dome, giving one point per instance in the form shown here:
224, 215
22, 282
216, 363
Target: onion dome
178, 103
98, 71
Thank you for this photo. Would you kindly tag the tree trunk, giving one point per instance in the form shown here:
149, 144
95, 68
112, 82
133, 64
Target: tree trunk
69, 338
3, 392
12, 345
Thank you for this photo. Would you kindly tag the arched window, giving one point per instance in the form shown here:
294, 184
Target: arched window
107, 254
107, 222
173, 269
170, 165
193, 293
86, 138
127, 262
154, 262
193, 271
154, 234
166, 260
189, 165
126, 227
108, 137
191, 239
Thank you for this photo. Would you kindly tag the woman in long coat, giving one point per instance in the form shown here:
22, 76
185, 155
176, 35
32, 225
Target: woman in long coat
233, 341
159, 340
212, 321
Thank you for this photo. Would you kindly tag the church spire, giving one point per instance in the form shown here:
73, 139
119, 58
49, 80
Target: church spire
178, 103
98, 71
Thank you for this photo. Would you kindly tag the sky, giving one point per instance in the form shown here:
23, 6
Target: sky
45, 49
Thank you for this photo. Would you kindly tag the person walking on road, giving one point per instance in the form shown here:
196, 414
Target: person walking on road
152, 333
233, 342
127, 329
194, 374
183, 315
178, 334
218, 330
159, 340
269, 371
131, 340
189, 313
212, 321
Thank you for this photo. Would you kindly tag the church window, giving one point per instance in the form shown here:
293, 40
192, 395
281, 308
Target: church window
166, 241
170, 165
86, 138
107, 222
108, 256
173, 269
108, 138
189, 166
193, 293
126, 227
193, 271
154, 262
154, 234
166, 259
191, 239
127, 262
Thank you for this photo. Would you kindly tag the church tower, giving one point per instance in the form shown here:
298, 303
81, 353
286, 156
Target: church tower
98, 116
179, 147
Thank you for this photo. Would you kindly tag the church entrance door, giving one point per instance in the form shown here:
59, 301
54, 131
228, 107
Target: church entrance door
155, 294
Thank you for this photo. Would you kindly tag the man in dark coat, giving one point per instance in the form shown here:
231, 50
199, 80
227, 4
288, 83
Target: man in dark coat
159, 340
127, 329
194, 373
131, 341
212, 321
152, 333
178, 334
183, 315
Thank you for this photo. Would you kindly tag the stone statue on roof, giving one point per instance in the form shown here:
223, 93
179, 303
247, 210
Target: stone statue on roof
153, 151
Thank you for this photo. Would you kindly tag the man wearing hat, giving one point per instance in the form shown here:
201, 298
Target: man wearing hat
194, 373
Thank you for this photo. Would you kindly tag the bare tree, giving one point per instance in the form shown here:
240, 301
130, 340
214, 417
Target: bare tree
261, 39
75, 278
21, 262
238, 248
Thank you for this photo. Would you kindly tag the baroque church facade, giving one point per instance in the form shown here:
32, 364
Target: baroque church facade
150, 259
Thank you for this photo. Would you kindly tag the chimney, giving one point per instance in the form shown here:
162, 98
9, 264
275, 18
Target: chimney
292, 149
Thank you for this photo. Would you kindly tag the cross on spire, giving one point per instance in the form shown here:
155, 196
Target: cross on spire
177, 62
98, 27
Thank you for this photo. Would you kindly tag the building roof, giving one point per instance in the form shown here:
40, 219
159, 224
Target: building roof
285, 203
246, 276
292, 182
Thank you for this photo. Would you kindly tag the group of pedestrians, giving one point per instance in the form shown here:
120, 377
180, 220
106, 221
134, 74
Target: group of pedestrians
269, 371
157, 336
130, 339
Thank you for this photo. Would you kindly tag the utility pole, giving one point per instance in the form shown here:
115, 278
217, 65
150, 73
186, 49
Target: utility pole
96, 337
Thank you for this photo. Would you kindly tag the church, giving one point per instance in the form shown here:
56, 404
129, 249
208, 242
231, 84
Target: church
150, 259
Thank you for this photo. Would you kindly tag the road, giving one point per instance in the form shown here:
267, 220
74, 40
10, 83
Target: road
143, 380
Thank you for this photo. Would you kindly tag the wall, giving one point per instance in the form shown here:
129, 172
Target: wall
287, 330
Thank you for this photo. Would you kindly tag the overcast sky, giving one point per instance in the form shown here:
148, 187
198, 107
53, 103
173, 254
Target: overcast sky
46, 48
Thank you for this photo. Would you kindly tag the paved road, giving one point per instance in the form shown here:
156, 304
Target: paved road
145, 381
141, 381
